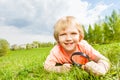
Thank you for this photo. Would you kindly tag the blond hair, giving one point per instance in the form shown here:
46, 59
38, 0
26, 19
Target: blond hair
67, 21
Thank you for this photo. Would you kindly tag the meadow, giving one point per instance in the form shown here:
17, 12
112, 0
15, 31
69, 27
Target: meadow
28, 65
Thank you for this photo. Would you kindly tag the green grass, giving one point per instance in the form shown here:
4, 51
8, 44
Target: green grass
28, 65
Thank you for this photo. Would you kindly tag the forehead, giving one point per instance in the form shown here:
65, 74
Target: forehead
68, 29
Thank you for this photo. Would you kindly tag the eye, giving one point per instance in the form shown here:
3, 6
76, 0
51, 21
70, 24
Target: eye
62, 34
74, 33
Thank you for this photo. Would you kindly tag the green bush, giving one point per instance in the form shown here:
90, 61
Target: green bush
4, 47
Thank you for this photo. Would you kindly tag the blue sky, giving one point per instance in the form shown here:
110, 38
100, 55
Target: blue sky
24, 21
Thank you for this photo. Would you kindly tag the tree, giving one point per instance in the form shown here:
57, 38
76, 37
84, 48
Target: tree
4, 47
113, 22
90, 34
98, 34
117, 30
106, 32
116, 25
85, 33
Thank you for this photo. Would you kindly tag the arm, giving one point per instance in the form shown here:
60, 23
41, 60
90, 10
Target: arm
60, 69
99, 64
100, 67
53, 58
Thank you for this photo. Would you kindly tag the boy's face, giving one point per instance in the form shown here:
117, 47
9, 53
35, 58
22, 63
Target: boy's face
69, 38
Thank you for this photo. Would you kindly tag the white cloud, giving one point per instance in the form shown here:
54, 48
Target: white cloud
42, 15
94, 14
15, 36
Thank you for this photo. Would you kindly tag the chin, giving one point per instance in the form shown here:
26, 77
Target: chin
70, 49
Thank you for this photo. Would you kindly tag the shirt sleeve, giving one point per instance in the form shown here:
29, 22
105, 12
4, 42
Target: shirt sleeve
90, 51
50, 60
100, 60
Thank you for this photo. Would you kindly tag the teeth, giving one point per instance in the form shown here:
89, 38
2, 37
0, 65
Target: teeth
68, 43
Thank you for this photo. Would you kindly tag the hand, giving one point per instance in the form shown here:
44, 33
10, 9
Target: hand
93, 67
83, 67
66, 67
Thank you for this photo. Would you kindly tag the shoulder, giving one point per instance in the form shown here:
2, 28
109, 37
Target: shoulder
55, 49
85, 46
54, 52
83, 43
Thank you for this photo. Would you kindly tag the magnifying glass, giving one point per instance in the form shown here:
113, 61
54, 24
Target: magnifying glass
78, 58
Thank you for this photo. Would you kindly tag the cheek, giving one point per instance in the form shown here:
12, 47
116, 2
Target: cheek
77, 38
60, 39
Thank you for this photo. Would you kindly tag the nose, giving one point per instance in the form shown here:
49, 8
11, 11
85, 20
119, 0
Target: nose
68, 37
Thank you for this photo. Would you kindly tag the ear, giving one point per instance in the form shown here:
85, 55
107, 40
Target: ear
58, 41
80, 37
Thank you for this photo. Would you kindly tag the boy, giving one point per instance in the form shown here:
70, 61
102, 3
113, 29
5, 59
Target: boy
69, 35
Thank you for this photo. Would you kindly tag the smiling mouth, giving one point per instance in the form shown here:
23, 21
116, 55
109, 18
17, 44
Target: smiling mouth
68, 43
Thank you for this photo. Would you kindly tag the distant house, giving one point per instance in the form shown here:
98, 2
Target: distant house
22, 46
